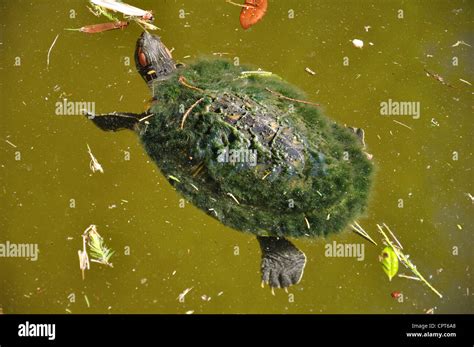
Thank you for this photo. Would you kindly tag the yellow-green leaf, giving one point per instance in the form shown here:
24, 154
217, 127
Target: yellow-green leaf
389, 261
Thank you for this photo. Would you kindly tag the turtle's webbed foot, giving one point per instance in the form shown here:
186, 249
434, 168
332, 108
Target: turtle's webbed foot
282, 263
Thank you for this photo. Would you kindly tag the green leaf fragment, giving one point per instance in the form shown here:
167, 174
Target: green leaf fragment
99, 251
389, 261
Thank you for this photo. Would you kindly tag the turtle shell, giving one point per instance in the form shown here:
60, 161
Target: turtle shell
256, 161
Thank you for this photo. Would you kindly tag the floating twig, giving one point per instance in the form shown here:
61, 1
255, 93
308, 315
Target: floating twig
409, 277
83, 256
220, 54
99, 28
308, 70
438, 78
94, 163
87, 301
246, 6
185, 83
291, 99
469, 195
50, 48
359, 230
10, 143
183, 294
393, 236
406, 126
186, 114
461, 43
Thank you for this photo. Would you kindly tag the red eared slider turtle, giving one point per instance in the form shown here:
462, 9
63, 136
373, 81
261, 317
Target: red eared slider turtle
243, 148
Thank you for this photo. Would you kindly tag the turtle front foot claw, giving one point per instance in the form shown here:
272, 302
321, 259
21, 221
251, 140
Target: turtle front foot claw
89, 115
282, 263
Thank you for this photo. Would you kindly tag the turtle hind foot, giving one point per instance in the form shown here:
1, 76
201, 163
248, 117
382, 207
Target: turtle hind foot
282, 263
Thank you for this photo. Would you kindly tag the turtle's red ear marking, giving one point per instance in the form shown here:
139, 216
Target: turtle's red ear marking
142, 58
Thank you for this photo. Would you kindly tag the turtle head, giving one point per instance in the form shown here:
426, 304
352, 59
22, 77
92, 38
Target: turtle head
152, 59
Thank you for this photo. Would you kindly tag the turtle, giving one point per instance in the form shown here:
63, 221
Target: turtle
246, 148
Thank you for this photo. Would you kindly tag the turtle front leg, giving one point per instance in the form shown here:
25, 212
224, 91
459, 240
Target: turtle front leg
117, 121
282, 263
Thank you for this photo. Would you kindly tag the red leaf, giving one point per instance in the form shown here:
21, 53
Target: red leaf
253, 13
396, 295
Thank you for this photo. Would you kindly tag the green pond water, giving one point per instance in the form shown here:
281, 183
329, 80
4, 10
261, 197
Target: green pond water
49, 195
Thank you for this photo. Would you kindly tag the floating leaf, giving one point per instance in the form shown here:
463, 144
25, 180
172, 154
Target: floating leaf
99, 252
404, 258
389, 261
396, 294
252, 12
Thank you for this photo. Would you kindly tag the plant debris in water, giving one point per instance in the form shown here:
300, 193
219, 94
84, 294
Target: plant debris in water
139, 16
99, 252
389, 261
395, 247
181, 296
94, 163
359, 230
99, 28
50, 49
